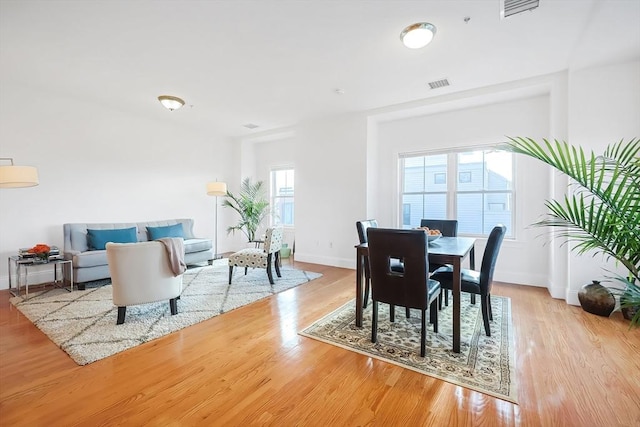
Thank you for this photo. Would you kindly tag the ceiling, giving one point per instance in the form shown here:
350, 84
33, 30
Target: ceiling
276, 63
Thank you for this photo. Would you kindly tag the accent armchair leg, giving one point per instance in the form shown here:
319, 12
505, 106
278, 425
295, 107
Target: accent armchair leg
277, 263
173, 305
122, 312
269, 272
230, 273
473, 298
408, 312
392, 313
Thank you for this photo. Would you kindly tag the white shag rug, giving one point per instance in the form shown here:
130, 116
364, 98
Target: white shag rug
83, 323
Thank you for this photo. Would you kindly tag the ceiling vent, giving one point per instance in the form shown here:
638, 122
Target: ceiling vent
512, 7
251, 126
439, 83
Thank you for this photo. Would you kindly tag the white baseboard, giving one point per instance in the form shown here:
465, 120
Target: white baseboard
325, 260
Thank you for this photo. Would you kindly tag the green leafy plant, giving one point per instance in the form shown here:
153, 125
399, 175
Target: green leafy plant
252, 206
602, 213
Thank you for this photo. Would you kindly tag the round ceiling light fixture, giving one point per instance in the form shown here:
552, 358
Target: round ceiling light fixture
171, 102
418, 35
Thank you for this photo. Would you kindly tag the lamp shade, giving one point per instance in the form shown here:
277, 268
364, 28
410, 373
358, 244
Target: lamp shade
217, 188
18, 176
171, 102
418, 35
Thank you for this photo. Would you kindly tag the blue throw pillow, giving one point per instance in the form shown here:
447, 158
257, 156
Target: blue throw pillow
156, 233
97, 239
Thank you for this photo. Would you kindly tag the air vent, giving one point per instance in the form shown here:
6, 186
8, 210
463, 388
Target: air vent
512, 7
439, 83
251, 126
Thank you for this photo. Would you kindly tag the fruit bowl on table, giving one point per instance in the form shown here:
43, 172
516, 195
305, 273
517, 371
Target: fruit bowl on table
433, 237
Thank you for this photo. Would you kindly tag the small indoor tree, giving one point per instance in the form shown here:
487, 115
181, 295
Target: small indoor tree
602, 213
251, 204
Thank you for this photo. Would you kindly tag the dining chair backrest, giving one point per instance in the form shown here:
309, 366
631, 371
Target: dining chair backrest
362, 226
407, 288
448, 227
490, 257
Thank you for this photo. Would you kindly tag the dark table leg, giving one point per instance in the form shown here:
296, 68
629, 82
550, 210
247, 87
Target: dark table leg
359, 269
456, 305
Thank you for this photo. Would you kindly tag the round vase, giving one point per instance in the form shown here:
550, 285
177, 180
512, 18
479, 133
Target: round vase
596, 299
629, 312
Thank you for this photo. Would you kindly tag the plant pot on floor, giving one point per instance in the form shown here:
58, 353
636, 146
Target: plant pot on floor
285, 251
596, 299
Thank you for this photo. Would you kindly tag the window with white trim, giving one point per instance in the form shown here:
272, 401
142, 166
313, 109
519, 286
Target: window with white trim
282, 197
476, 187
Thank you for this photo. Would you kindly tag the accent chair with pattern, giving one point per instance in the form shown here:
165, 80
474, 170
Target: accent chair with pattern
265, 257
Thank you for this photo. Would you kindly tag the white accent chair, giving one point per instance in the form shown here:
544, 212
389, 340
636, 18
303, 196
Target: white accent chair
260, 257
141, 273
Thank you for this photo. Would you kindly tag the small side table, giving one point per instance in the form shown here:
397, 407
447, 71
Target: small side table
20, 264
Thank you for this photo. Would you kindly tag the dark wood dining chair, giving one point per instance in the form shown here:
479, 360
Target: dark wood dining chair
477, 282
448, 228
362, 227
410, 288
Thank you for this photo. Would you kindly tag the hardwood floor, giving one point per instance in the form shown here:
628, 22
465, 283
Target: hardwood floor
250, 367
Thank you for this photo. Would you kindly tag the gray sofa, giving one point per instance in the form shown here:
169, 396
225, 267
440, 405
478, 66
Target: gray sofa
91, 265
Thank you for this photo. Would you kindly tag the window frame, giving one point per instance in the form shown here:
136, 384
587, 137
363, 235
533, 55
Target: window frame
273, 197
452, 176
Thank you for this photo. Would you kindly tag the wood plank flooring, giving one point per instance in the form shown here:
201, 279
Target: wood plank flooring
250, 367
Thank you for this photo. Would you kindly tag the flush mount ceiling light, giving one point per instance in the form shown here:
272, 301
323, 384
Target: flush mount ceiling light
418, 35
171, 102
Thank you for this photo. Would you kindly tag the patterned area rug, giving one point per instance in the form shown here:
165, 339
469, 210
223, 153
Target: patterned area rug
83, 323
485, 364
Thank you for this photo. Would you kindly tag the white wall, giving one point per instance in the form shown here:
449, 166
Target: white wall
604, 107
330, 188
523, 259
98, 164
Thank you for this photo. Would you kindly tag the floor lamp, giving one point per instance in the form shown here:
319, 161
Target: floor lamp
12, 176
217, 188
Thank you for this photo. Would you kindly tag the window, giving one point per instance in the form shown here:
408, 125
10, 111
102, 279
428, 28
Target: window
282, 187
480, 198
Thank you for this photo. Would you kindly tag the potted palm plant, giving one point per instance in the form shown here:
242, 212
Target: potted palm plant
252, 206
602, 213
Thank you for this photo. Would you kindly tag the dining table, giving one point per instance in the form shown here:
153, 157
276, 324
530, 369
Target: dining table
445, 250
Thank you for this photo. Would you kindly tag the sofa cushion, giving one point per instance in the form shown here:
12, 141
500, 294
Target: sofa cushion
196, 245
174, 230
90, 259
97, 239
